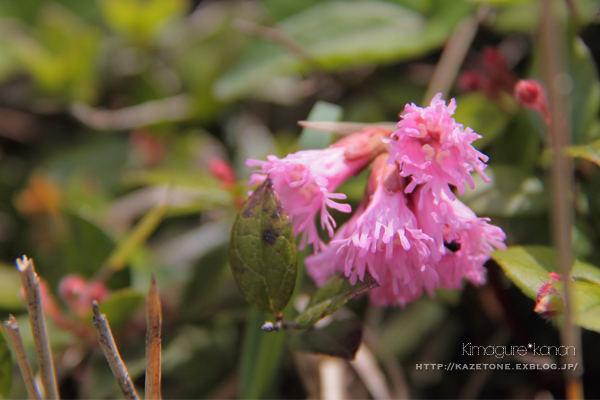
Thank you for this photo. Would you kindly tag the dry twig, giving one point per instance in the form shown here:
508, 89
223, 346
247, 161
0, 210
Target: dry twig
39, 330
554, 55
153, 343
107, 342
176, 108
331, 372
453, 55
344, 128
365, 365
12, 331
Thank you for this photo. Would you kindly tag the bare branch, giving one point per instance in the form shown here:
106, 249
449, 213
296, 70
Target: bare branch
453, 55
554, 55
331, 373
365, 365
107, 342
14, 335
176, 108
344, 128
153, 343
39, 330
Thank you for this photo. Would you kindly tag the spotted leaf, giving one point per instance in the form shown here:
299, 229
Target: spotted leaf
262, 251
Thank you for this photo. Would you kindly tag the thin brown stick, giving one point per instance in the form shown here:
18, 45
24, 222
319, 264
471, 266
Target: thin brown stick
366, 366
107, 343
153, 343
453, 55
176, 108
14, 335
345, 128
39, 330
554, 52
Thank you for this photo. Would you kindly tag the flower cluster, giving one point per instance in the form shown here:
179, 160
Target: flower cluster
410, 232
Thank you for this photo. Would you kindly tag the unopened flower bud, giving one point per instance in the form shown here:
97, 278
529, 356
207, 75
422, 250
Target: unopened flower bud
530, 93
78, 293
223, 171
71, 287
549, 302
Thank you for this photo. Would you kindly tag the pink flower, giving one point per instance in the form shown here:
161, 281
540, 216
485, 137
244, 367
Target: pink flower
382, 238
306, 181
410, 233
406, 249
463, 241
434, 150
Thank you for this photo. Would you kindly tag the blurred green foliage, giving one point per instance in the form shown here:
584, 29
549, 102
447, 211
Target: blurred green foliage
113, 112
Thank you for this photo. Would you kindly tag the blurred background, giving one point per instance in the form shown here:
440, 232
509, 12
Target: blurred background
124, 127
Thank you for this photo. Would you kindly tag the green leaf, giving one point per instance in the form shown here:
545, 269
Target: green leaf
584, 271
8, 63
139, 20
120, 306
482, 115
96, 160
6, 366
315, 139
86, 246
586, 300
262, 251
519, 145
337, 339
500, 2
204, 287
590, 152
328, 299
512, 192
585, 95
521, 17
261, 357
339, 34
402, 335
281, 9
62, 57
586, 303
527, 266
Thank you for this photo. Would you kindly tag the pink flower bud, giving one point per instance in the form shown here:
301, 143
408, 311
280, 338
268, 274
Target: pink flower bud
223, 171
530, 93
71, 288
78, 294
549, 302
